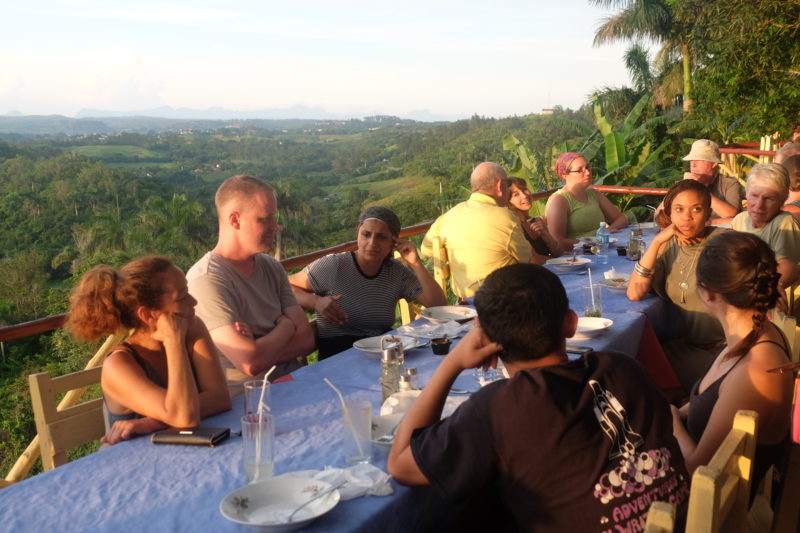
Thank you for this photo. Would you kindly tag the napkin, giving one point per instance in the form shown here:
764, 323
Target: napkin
359, 480
427, 330
611, 274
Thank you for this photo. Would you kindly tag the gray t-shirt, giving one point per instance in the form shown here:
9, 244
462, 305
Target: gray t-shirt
727, 189
225, 296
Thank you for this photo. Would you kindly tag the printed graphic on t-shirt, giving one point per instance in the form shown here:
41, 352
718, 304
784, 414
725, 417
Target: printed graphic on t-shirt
630, 485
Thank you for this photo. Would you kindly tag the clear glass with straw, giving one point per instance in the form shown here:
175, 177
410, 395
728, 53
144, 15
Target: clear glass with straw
258, 435
356, 442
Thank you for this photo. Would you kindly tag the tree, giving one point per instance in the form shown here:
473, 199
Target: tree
747, 56
649, 19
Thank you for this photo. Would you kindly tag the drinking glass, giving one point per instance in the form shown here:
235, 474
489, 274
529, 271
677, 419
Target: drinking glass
592, 300
356, 432
258, 438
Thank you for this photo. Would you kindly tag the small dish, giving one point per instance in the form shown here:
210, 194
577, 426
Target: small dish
568, 264
589, 327
617, 285
441, 346
383, 425
266, 505
372, 345
444, 313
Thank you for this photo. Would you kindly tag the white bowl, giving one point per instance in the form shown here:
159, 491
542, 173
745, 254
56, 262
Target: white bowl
567, 264
618, 285
372, 345
266, 504
589, 326
381, 425
445, 313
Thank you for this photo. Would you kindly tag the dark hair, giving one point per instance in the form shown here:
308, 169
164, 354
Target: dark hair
792, 166
106, 300
518, 182
522, 307
384, 214
664, 218
742, 269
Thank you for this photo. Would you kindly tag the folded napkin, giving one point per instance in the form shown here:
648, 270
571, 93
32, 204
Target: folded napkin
359, 480
427, 330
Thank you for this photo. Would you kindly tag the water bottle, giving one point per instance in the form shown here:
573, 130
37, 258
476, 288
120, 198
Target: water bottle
603, 236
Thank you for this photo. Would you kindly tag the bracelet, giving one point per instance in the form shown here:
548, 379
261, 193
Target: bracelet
643, 271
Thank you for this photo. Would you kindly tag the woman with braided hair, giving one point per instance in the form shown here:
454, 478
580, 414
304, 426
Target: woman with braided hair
737, 281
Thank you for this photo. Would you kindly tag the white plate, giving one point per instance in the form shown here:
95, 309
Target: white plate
381, 425
618, 285
567, 264
443, 313
589, 326
265, 504
372, 345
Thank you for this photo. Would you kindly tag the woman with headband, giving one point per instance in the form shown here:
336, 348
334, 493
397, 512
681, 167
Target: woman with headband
355, 294
575, 210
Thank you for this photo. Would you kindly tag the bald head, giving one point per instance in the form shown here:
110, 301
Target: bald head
490, 179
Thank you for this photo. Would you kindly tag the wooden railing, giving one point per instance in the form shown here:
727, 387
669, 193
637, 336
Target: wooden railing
43, 325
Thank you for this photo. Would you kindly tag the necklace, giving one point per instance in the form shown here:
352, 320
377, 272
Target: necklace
684, 285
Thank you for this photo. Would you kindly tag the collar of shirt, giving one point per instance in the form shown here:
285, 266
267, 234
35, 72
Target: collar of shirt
482, 199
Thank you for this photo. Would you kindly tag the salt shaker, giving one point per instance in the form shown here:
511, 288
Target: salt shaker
413, 378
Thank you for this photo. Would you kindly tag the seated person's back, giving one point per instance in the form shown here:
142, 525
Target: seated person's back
568, 445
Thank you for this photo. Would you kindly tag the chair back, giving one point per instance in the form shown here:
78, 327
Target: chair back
62, 430
788, 325
660, 518
720, 491
441, 268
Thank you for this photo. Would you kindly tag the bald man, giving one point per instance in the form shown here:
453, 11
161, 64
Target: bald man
481, 234
243, 294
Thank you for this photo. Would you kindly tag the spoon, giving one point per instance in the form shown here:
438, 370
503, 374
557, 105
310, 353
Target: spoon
316, 496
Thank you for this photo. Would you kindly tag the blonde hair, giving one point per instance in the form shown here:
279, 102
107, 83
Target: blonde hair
239, 187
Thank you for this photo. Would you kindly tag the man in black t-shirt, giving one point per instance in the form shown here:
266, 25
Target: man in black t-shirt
582, 445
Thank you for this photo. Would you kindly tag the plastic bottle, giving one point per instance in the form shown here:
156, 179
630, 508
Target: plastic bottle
603, 236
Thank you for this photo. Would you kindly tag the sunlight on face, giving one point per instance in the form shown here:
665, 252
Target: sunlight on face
520, 198
689, 214
763, 203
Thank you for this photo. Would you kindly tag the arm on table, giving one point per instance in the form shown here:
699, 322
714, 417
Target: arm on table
431, 294
615, 218
557, 212
324, 306
473, 350
291, 337
126, 383
639, 286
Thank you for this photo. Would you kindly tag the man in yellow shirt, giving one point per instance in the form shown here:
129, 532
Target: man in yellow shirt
481, 234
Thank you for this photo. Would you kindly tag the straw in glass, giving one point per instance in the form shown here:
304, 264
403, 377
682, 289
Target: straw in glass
347, 418
261, 420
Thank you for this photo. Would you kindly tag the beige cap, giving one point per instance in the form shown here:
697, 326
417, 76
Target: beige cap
704, 150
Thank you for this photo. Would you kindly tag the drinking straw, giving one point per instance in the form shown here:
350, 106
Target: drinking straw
261, 420
347, 418
591, 288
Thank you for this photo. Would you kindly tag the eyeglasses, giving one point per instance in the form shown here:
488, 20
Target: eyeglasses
580, 170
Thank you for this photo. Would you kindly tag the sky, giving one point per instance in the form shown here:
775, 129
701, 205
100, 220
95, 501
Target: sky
447, 59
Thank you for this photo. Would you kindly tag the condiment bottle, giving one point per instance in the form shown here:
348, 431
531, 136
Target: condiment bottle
391, 366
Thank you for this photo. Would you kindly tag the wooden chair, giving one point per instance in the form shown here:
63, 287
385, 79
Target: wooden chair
660, 518
788, 325
720, 491
73, 426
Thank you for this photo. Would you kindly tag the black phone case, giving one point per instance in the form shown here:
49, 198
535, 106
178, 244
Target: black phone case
192, 437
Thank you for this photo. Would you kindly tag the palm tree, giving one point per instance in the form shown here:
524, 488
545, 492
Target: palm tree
647, 19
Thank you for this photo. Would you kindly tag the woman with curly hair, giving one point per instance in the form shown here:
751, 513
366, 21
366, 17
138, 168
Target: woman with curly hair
737, 281
167, 373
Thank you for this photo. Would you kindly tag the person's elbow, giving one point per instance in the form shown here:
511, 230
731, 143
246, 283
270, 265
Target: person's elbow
403, 468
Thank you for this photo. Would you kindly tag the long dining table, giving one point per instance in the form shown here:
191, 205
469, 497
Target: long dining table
136, 485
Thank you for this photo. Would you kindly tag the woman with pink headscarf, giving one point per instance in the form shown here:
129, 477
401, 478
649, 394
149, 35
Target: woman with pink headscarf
575, 210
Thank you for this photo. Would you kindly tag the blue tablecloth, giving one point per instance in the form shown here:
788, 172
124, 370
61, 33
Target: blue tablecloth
136, 485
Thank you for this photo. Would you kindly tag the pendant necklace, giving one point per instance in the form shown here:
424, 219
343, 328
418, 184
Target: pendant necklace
684, 285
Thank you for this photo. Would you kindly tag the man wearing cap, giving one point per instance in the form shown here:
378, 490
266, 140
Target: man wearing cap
481, 234
726, 193
243, 294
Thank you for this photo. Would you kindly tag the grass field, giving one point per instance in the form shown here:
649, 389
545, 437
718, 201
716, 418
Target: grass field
112, 152
380, 188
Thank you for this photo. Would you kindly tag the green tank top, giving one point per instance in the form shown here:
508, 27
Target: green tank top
584, 218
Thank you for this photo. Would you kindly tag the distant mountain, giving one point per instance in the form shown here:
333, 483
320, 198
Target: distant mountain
219, 113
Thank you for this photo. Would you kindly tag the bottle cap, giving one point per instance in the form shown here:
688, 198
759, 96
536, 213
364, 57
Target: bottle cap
411, 371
